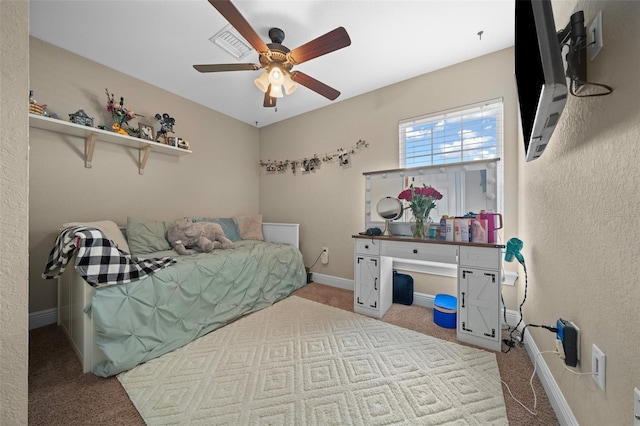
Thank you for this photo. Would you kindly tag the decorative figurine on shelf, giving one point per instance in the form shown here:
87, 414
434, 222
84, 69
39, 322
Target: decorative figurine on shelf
116, 128
120, 115
35, 107
166, 126
80, 117
183, 144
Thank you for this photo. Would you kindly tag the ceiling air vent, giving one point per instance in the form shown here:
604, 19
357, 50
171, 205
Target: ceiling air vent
231, 42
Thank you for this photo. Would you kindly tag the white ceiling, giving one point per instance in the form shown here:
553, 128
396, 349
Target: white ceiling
159, 41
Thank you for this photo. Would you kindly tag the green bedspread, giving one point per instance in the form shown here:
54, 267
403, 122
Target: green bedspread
142, 320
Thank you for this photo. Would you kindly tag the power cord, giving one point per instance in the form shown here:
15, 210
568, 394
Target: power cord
535, 365
574, 82
316, 261
548, 327
590, 373
511, 341
535, 397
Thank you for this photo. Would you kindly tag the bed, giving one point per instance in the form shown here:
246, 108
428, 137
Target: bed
116, 327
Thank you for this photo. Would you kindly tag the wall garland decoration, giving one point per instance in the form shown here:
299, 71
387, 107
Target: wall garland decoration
309, 164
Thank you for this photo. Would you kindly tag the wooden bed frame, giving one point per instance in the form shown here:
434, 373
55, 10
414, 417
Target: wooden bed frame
74, 295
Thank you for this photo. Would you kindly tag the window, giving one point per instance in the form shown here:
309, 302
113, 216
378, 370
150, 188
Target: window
469, 133
463, 134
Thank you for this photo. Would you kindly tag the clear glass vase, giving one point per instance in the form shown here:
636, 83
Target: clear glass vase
418, 229
420, 216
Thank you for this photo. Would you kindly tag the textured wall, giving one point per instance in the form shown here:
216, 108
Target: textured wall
581, 207
14, 208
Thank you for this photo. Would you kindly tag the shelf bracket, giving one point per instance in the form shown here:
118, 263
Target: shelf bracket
143, 156
89, 146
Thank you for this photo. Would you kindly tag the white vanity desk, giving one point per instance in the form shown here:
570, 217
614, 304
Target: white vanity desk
478, 285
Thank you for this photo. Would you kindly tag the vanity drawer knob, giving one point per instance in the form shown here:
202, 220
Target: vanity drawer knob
415, 251
366, 246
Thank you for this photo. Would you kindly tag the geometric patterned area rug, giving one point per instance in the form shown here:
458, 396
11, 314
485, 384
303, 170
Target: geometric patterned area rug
300, 362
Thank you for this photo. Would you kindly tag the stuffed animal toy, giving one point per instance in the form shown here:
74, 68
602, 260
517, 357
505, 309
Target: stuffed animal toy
206, 236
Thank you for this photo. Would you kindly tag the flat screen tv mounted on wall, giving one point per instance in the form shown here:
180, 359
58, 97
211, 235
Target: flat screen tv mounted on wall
539, 72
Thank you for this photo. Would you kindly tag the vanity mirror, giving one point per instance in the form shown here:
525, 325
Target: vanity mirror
389, 209
466, 187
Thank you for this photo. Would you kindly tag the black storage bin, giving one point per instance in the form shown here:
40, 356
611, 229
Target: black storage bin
402, 288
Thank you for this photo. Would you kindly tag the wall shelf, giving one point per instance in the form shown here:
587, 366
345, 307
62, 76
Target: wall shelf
92, 135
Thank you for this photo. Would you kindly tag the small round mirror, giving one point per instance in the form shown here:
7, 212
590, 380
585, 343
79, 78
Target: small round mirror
389, 209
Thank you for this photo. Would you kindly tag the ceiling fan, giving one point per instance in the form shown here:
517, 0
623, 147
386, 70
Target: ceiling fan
276, 59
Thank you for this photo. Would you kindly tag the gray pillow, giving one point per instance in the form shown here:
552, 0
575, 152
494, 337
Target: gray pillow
229, 226
147, 236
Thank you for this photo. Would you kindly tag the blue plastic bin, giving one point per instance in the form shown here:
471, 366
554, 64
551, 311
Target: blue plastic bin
445, 308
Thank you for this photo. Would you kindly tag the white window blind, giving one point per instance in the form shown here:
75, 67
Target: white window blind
468, 133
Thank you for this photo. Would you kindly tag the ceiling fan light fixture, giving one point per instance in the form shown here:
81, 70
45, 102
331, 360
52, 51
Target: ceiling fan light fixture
276, 91
262, 82
289, 85
276, 75
275, 57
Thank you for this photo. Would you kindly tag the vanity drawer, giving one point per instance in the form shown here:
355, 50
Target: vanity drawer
480, 257
443, 253
365, 246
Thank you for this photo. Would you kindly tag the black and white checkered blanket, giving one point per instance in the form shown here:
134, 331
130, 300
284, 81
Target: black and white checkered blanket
98, 260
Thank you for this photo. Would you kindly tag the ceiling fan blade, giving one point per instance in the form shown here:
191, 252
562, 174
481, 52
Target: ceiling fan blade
315, 85
331, 41
269, 102
237, 21
226, 67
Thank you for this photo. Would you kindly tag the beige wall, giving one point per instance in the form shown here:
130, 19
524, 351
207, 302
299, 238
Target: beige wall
580, 204
14, 211
329, 202
219, 179
576, 206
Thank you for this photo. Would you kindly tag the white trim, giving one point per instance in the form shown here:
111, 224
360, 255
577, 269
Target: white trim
42, 318
332, 281
556, 398
422, 299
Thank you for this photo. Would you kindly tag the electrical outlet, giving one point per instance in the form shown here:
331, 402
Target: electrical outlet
598, 366
569, 334
324, 258
594, 38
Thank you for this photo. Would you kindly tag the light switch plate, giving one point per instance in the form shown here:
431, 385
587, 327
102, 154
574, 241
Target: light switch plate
594, 39
599, 365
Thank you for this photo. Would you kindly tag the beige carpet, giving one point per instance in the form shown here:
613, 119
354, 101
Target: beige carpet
304, 363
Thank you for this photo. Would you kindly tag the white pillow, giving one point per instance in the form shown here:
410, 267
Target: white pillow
250, 227
110, 230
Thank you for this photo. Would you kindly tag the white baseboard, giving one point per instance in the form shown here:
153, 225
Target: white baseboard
42, 318
556, 398
332, 281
